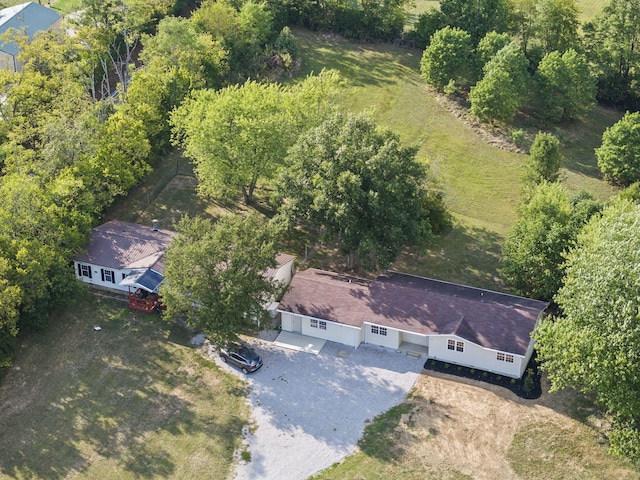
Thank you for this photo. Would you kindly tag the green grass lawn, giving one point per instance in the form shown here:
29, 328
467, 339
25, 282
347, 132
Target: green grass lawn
63, 7
587, 8
481, 181
130, 401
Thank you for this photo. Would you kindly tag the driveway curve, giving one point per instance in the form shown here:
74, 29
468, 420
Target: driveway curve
310, 410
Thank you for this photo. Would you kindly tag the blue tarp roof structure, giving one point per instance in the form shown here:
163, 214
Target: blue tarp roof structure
148, 280
31, 16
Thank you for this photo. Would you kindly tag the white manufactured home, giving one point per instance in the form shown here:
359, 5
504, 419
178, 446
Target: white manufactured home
453, 323
127, 257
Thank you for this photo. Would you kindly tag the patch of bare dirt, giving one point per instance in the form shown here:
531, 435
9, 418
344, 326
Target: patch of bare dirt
469, 425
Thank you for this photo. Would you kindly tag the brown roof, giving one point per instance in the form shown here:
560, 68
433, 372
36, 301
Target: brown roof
416, 304
118, 244
281, 260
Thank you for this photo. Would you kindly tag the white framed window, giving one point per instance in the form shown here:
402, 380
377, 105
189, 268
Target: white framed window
84, 270
504, 357
454, 345
108, 276
314, 323
322, 325
376, 330
459, 346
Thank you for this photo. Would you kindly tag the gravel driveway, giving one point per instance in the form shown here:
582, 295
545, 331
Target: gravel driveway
310, 410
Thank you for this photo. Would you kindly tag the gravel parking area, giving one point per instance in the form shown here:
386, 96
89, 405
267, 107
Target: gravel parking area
310, 410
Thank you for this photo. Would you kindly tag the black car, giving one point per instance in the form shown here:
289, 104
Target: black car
241, 357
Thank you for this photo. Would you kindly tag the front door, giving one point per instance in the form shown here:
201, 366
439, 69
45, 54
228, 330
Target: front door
296, 324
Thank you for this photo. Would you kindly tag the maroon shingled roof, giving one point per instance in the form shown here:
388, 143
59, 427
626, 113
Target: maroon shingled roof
416, 304
281, 259
118, 244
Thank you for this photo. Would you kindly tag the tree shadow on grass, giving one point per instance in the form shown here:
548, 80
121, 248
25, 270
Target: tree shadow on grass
466, 255
119, 396
580, 138
361, 63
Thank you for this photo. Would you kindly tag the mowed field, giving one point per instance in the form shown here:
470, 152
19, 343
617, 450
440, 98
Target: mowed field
131, 400
480, 178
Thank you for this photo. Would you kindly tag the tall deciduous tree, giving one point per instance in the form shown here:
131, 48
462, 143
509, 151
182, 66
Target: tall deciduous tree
612, 41
214, 277
532, 256
503, 89
619, 154
557, 25
239, 135
543, 164
477, 17
593, 344
360, 185
448, 57
567, 88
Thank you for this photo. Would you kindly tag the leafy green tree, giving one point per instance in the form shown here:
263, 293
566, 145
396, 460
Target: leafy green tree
543, 164
177, 45
113, 30
477, 17
356, 183
619, 154
503, 89
426, 25
523, 22
593, 344
532, 255
490, 45
567, 88
557, 25
448, 57
10, 300
612, 40
239, 135
214, 276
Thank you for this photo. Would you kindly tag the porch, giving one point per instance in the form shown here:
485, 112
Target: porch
413, 349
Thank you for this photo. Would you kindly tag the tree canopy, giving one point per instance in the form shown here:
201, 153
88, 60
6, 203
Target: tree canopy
448, 57
567, 88
239, 135
612, 40
619, 154
593, 344
357, 183
215, 274
532, 255
543, 164
503, 89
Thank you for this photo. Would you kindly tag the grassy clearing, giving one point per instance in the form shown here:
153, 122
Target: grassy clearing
544, 450
64, 7
481, 181
587, 8
130, 401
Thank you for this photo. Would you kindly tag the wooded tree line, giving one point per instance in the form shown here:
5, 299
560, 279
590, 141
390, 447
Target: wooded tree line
580, 254
69, 147
532, 55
